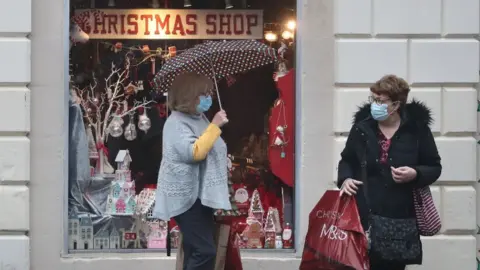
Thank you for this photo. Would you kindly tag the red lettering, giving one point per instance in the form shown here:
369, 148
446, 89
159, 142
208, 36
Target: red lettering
96, 24
147, 19
191, 21
132, 21
104, 30
178, 26
225, 23
211, 22
238, 24
112, 23
122, 24
163, 24
252, 20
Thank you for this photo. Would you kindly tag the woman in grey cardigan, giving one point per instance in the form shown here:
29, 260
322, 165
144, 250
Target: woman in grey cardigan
192, 180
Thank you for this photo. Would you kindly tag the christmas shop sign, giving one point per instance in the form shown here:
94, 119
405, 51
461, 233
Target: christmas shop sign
170, 23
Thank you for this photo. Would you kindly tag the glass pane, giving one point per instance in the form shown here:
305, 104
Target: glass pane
119, 107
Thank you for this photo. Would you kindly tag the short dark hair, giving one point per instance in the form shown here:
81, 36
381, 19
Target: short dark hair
185, 89
396, 88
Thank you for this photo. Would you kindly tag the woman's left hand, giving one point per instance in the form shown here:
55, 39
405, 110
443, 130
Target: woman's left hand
403, 174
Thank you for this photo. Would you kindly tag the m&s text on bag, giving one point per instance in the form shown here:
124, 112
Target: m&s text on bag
332, 232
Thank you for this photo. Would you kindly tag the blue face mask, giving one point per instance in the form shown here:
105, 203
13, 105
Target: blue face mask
379, 111
204, 104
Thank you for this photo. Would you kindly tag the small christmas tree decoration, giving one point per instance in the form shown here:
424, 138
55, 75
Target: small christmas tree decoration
270, 229
256, 208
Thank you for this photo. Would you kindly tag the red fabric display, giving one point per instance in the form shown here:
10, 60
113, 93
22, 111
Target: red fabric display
335, 237
282, 130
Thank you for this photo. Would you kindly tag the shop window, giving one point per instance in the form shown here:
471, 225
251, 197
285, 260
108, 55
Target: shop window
117, 113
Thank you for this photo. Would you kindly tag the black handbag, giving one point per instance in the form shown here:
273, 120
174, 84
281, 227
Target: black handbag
391, 239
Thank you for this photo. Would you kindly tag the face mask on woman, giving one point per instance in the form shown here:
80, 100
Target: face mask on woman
379, 111
204, 104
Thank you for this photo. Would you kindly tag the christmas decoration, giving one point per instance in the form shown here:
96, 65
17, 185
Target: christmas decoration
121, 201
287, 236
104, 110
117, 47
256, 208
157, 236
130, 130
144, 123
80, 232
253, 233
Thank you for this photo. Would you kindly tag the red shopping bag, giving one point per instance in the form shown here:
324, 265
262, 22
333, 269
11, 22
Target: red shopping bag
335, 238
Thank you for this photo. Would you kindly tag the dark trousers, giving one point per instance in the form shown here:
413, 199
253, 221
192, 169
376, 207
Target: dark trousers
385, 265
197, 228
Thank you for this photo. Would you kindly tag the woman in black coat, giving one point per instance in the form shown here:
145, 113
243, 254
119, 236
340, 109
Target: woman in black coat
392, 147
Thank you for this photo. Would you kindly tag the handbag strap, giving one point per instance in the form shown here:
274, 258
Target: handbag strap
363, 166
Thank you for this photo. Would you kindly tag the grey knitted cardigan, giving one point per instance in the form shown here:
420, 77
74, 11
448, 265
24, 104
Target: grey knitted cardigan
181, 180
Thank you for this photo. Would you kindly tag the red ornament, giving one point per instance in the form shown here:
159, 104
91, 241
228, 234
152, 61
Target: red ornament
117, 47
145, 49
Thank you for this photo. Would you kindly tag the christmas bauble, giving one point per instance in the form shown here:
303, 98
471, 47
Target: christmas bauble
115, 130
144, 123
130, 132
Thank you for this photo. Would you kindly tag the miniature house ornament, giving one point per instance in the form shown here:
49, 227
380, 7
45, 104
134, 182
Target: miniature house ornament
122, 200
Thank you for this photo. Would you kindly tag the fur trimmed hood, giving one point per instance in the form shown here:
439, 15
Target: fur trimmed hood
413, 112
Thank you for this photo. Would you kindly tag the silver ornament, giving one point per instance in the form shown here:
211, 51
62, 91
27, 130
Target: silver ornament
144, 122
130, 132
115, 130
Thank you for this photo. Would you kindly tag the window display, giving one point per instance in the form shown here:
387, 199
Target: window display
119, 88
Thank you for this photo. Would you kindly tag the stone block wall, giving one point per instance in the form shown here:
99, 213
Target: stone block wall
15, 27
430, 43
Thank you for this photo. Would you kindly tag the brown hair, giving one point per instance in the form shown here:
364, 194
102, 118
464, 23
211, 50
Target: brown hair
394, 87
186, 88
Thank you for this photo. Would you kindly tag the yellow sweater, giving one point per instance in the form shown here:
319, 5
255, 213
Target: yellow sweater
205, 142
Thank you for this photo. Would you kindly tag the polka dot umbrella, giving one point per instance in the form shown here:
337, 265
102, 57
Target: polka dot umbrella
216, 59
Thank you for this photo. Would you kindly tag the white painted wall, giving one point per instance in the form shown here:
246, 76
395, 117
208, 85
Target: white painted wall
343, 46
15, 26
431, 44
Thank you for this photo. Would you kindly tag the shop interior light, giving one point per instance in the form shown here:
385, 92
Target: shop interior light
291, 25
111, 3
287, 34
271, 37
187, 3
228, 4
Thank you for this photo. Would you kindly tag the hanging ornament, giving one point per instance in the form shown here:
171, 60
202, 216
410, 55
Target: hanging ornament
145, 49
152, 59
115, 131
140, 86
130, 130
144, 123
131, 89
111, 3
115, 128
117, 47
228, 4
172, 51
159, 52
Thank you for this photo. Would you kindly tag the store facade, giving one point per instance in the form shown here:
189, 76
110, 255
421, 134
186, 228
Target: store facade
343, 46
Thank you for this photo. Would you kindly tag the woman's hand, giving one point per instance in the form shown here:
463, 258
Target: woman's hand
350, 187
403, 174
220, 118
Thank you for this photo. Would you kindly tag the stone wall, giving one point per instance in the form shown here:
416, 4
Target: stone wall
15, 27
430, 43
